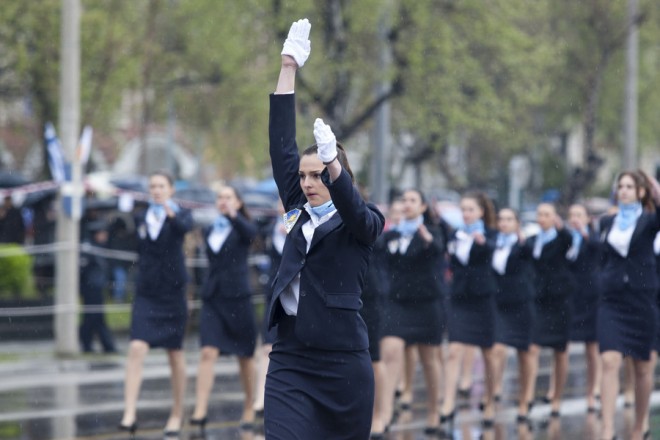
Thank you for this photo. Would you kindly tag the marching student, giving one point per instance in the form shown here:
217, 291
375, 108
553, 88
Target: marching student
159, 308
320, 381
227, 324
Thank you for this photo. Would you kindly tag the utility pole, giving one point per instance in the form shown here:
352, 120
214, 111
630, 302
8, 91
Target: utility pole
630, 112
66, 263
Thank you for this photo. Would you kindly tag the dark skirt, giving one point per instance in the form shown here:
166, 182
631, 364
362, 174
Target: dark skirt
160, 321
416, 322
472, 320
583, 318
316, 394
228, 325
370, 312
552, 322
627, 323
513, 322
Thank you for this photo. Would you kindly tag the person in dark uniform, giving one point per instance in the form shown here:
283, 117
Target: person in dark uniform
514, 312
12, 227
552, 302
227, 324
414, 252
472, 300
584, 258
320, 381
274, 247
159, 307
626, 323
93, 280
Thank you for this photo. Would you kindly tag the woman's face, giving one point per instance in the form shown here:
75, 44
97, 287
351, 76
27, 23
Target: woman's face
227, 201
471, 211
507, 222
578, 217
626, 190
309, 172
160, 189
545, 216
412, 205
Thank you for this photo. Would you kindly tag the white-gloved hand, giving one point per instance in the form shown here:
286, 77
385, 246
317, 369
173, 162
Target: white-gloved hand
297, 43
325, 141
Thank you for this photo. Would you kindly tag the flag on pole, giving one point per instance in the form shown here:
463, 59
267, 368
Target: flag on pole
55, 155
85, 145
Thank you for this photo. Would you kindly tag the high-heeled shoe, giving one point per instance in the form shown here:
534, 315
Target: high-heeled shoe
171, 433
487, 423
199, 422
128, 428
464, 393
447, 418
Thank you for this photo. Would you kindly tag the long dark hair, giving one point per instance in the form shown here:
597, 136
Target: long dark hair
164, 173
430, 216
486, 205
242, 210
341, 157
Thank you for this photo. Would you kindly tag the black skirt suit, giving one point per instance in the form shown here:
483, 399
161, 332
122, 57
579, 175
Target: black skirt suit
471, 311
585, 268
629, 288
320, 381
414, 309
554, 285
373, 298
159, 308
227, 319
514, 311
268, 335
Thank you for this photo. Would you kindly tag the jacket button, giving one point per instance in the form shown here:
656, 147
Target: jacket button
625, 278
302, 262
303, 294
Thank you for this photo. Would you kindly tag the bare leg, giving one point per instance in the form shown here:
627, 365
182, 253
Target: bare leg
467, 367
377, 424
524, 378
410, 365
178, 380
490, 373
440, 355
499, 364
248, 378
427, 355
205, 378
454, 356
262, 370
643, 386
609, 389
534, 351
560, 373
392, 353
593, 373
654, 362
137, 351
628, 382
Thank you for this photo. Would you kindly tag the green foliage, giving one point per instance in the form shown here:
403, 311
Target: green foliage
16, 279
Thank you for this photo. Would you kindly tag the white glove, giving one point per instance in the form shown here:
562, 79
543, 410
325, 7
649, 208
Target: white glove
297, 43
325, 141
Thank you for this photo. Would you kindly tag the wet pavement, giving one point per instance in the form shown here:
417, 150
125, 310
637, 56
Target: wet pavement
43, 397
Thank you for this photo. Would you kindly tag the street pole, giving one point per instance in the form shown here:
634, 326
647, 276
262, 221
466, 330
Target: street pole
66, 263
630, 112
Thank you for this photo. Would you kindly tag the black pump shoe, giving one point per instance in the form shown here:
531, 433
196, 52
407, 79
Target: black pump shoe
199, 422
128, 428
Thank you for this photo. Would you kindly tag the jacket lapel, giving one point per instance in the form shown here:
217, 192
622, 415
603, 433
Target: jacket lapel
640, 226
324, 229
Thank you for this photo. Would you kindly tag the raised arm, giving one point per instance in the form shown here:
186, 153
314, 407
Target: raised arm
294, 54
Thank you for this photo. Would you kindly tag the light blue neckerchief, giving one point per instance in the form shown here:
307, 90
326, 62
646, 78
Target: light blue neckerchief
542, 239
477, 226
506, 240
221, 223
577, 238
324, 209
627, 215
158, 210
408, 227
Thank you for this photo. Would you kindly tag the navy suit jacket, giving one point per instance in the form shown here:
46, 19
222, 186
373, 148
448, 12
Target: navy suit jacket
332, 272
553, 278
162, 268
638, 269
228, 275
585, 268
477, 277
516, 284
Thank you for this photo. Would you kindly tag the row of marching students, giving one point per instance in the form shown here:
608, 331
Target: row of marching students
569, 282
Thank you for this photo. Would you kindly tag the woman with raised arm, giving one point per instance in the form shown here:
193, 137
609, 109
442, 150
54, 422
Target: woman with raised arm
227, 324
159, 308
320, 382
629, 285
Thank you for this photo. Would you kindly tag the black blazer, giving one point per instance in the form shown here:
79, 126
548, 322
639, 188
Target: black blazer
161, 266
478, 277
516, 285
332, 272
638, 269
585, 268
552, 277
416, 274
377, 280
228, 275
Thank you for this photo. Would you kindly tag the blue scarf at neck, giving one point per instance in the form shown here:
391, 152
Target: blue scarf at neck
324, 209
506, 240
221, 223
477, 226
158, 210
627, 215
577, 238
408, 227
